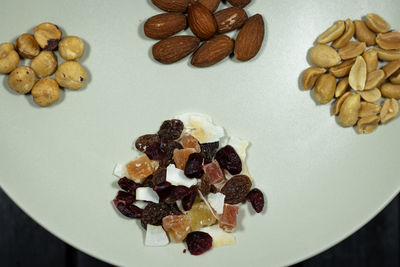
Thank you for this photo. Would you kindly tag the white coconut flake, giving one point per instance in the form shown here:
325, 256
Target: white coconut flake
219, 236
177, 177
207, 204
146, 194
180, 206
120, 170
156, 236
216, 202
201, 127
141, 204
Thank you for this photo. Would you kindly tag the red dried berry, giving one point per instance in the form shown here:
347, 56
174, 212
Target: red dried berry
229, 160
256, 198
126, 198
130, 211
128, 185
146, 140
194, 165
236, 189
159, 176
198, 242
209, 150
153, 214
187, 201
155, 151
179, 192
170, 130
163, 190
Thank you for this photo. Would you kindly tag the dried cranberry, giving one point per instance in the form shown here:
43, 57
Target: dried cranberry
130, 211
198, 242
148, 182
256, 198
125, 197
187, 201
179, 192
229, 160
155, 151
209, 150
236, 189
194, 165
170, 130
128, 185
145, 141
159, 176
163, 190
153, 214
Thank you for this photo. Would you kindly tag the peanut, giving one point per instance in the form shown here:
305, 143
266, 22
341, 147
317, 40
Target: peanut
389, 40
347, 35
352, 50
324, 56
342, 87
364, 34
358, 74
371, 95
368, 109
368, 124
391, 68
325, 88
374, 79
332, 33
349, 111
395, 78
387, 55
389, 110
376, 23
342, 69
390, 90
339, 102
310, 76
371, 59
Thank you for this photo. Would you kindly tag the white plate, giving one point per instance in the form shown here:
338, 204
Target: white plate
322, 181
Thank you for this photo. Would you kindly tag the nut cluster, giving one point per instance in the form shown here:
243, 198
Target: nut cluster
206, 25
361, 74
40, 49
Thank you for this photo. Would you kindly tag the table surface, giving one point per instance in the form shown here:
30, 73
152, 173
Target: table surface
25, 243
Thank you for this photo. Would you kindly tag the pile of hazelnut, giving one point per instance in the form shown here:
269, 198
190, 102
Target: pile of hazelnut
40, 48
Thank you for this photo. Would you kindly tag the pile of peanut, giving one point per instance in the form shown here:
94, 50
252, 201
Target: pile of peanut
361, 75
40, 49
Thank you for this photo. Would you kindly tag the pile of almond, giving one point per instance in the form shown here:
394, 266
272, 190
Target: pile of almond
362, 75
206, 25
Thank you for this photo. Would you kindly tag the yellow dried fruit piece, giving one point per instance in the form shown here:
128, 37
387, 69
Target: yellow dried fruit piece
181, 156
368, 124
140, 168
389, 40
364, 34
310, 76
178, 226
342, 87
352, 50
347, 35
376, 23
324, 56
371, 59
371, 95
368, 109
339, 102
325, 88
342, 69
389, 110
390, 90
200, 216
358, 74
374, 78
349, 111
332, 33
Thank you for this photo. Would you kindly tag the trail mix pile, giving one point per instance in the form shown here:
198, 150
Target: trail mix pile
40, 49
366, 93
187, 185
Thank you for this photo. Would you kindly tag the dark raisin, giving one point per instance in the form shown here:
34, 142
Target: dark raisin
153, 214
228, 159
194, 165
256, 198
128, 185
159, 176
130, 211
179, 192
187, 201
198, 242
174, 209
52, 45
205, 185
236, 189
170, 130
125, 197
155, 151
148, 182
146, 140
169, 148
163, 190
209, 150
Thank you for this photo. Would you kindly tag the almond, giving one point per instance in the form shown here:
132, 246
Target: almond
201, 21
172, 5
212, 5
230, 19
213, 51
239, 3
174, 48
250, 38
164, 25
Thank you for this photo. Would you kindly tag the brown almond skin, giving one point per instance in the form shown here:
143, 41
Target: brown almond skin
201, 21
213, 51
212, 5
230, 19
174, 48
172, 5
250, 38
239, 3
164, 25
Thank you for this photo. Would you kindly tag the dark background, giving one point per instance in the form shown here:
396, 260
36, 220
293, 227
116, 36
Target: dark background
24, 243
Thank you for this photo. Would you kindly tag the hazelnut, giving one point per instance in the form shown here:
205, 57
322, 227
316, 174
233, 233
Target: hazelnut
71, 75
46, 92
71, 48
45, 64
9, 58
22, 79
47, 35
27, 46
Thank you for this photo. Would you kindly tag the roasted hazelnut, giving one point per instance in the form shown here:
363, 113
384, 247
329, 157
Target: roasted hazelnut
22, 79
71, 75
27, 46
47, 35
71, 48
46, 92
9, 58
45, 64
